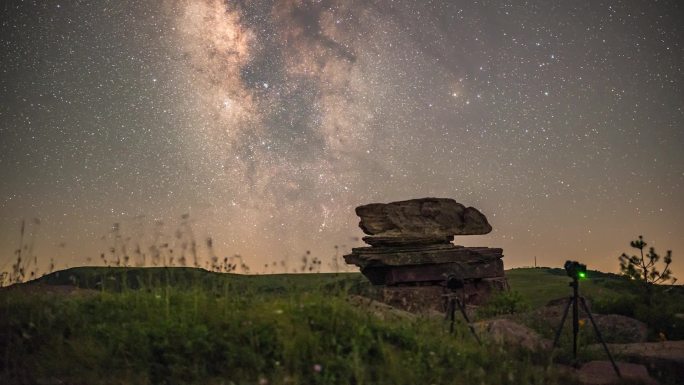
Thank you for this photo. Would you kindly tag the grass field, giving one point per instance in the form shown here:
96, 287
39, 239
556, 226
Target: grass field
539, 286
183, 325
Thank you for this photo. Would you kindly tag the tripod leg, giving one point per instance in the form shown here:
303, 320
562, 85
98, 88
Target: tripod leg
575, 324
447, 309
598, 334
451, 313
560, 327
465, 316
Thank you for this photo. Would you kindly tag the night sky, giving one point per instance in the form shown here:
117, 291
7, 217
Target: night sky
269, 121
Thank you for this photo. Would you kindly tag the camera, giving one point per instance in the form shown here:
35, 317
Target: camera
575, 270
454, 283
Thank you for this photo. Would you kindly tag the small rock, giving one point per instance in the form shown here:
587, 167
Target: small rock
614, 328
505, 331
379, 309
665, 357
602, 373
621, 329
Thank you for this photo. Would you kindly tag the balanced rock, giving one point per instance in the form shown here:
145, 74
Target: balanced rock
438, 218
412, 256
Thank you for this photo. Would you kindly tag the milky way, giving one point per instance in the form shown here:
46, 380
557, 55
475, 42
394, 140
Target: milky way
269, 121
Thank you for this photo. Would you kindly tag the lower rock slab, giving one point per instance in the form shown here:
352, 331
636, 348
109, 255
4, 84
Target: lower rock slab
431, 297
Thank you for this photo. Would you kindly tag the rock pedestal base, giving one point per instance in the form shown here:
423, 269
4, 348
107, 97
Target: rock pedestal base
416, 276
423, 299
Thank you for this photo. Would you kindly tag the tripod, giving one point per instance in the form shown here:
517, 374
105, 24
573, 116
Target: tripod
575, 300
452, 301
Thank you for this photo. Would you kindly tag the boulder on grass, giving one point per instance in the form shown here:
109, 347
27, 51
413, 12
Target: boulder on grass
505, 331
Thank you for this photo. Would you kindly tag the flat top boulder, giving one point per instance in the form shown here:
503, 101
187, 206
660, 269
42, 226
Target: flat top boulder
420, 218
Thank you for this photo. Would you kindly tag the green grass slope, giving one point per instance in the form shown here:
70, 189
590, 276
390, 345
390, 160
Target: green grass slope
115, 279
539, 286
187, 326
191, 326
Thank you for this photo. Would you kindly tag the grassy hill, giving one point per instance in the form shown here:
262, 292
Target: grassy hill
536, 285
181, 325
539, 286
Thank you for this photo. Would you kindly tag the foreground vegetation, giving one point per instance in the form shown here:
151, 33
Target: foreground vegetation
183, 325
189, 326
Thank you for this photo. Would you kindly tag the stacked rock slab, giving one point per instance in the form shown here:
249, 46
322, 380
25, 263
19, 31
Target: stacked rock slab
412, 257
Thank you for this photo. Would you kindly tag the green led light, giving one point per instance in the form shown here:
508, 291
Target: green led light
575, 270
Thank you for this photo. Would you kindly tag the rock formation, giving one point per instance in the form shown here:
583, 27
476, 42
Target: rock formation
411, 253
421, 218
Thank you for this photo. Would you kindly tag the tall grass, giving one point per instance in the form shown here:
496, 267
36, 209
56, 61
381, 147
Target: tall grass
137, 245
226, 329
25, 266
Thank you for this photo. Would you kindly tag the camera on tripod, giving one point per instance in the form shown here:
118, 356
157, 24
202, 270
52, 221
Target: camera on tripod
575, 270
454, 299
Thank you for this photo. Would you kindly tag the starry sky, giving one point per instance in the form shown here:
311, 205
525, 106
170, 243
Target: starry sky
267, 122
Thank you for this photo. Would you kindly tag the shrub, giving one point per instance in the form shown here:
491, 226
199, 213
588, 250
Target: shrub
504, 302
622, 305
